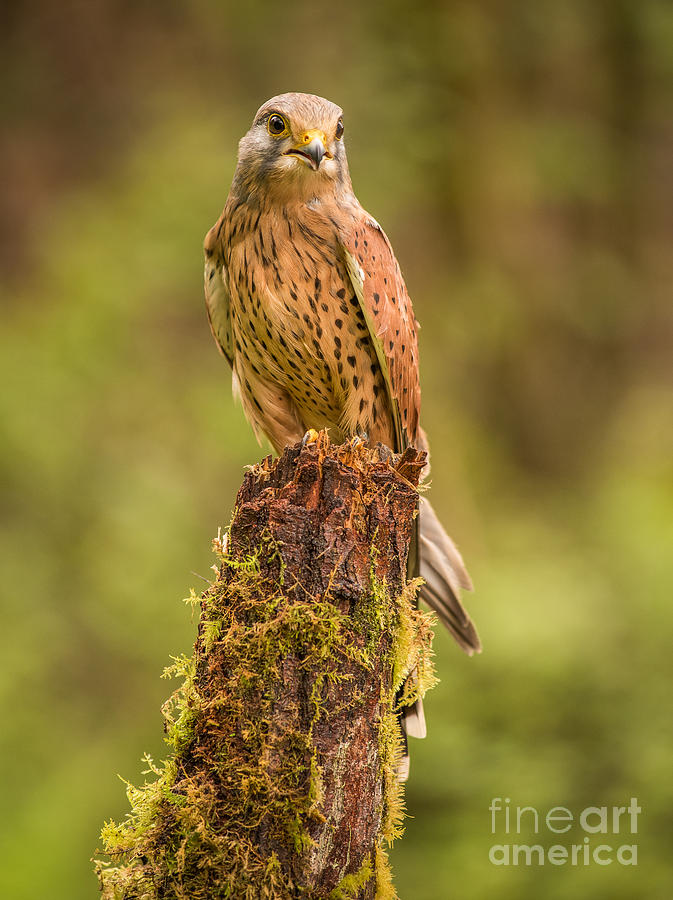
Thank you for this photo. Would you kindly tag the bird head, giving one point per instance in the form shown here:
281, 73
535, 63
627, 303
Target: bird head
295, 147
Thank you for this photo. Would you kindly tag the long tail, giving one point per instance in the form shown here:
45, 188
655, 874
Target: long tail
444, 573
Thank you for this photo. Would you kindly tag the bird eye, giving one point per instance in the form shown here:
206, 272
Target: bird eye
340, 129
276, 125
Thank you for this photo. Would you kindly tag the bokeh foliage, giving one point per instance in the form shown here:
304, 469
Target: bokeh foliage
519, 157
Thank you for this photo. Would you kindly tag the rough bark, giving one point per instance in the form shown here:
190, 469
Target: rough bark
284, 735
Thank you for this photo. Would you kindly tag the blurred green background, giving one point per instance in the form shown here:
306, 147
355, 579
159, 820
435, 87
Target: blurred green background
519, 156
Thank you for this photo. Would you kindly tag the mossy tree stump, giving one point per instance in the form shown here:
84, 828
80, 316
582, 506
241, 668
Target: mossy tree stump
284, 736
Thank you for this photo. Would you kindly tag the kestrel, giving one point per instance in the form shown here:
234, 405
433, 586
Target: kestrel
307, 302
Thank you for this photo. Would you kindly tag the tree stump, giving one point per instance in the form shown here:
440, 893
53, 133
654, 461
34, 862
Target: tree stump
284, 732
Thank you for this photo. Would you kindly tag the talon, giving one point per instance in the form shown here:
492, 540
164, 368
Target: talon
310, 437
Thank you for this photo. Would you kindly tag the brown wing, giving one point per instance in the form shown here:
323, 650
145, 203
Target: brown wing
217, 292
383, 296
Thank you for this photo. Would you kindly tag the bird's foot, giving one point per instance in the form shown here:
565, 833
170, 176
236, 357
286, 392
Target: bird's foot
311, 437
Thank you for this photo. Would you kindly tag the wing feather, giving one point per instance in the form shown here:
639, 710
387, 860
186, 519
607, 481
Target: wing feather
383, 297
217, 293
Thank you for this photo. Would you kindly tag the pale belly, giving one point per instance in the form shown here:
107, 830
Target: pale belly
291, 351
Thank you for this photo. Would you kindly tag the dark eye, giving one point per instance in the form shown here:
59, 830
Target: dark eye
276, 124
340, 129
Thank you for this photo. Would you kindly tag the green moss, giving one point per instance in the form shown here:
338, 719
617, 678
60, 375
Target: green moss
350, 885
410, 655
390, 752
412, 645
374, 614
385, 890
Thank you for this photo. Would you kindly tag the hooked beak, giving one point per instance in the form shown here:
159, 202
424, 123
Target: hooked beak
311, 148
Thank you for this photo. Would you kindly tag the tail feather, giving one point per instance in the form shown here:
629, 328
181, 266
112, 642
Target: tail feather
434, 556
413, 720
444, 573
